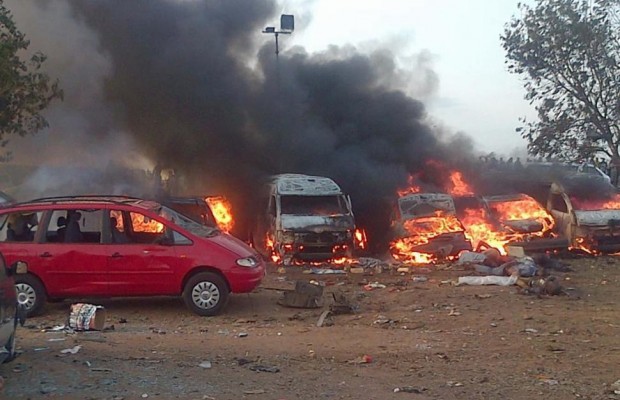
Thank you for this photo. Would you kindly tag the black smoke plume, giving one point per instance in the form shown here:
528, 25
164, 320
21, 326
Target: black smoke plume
198, 88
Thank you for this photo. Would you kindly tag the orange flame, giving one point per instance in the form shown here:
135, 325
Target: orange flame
597, 204
523, 209
420, 231
481, 232
412, 188
459, 186
222, 211
140, 223
361, 242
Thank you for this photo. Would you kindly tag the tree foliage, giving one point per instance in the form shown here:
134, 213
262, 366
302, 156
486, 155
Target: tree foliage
568, 54
25, 91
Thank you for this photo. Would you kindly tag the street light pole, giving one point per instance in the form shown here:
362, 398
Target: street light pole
287, 25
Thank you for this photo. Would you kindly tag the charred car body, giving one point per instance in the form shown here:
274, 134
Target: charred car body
424, 225
587, 213
304, 218
508, 219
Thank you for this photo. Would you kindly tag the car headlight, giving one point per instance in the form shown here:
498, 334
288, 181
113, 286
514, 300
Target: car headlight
249, 262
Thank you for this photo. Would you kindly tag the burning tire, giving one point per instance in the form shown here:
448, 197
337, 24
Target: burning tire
30, 294
206, 294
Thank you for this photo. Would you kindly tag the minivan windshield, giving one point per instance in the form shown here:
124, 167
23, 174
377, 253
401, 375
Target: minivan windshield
313, 205
186, 222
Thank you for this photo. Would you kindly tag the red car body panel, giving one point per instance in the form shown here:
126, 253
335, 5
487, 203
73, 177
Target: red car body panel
127, 269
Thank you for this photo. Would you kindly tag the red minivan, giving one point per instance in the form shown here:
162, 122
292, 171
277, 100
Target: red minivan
116, 246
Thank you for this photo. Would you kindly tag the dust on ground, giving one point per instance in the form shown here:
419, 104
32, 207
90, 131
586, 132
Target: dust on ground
429, 339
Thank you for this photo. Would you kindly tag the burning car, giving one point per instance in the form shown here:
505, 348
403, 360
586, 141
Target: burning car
212, 211
509, 219
425, 228
304, 218
194, 207
587, 213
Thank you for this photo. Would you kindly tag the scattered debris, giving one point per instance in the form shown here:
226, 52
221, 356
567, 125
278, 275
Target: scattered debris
487, 280
325, 271
364, 359
264, 368
84, 317
305, 295
242, 334
254, 391
325, 319
409, 389
72, 350
373, 286
616, 387
205, 364
342, 305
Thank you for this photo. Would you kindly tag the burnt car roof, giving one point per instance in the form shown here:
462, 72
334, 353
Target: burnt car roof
90, 199
416, 205
585, 186
305, 185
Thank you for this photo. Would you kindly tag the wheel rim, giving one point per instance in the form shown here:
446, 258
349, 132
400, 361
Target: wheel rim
206, 295
26, 296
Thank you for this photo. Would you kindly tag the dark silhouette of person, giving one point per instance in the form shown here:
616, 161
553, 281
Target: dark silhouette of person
10, 233
73, 234
117, 235
61, 223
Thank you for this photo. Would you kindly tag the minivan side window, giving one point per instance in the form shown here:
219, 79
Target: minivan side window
75, 226
145, 229
19, 226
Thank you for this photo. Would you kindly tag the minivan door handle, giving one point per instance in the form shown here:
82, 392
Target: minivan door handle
45, 255
116, 255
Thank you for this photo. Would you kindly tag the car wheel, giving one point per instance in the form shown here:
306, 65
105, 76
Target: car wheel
30, 294
10, 346
206, 293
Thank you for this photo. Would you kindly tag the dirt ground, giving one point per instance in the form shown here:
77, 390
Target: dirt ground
431, 339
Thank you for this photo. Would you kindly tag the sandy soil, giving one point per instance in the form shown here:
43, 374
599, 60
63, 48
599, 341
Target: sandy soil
433, 340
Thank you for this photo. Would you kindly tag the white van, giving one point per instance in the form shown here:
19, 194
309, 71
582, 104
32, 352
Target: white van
304, 218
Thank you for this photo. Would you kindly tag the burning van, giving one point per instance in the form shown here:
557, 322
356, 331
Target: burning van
304, 218
425, 228
587, 212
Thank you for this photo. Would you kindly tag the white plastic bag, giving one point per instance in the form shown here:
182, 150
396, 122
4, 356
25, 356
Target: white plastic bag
488, 280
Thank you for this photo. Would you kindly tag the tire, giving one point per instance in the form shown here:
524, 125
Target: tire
30, 294
206, 294
10, 346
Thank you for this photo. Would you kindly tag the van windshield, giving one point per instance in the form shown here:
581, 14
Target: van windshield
313, 205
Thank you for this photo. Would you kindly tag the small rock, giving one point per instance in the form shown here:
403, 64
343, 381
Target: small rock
205, 364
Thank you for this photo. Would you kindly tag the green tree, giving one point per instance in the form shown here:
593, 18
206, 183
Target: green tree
567, 53
25, 91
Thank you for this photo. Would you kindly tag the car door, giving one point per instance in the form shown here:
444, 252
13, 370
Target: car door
16, 245
141, 263
559, 210
73, 263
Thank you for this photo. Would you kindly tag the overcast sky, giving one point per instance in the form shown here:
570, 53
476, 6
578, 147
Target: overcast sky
475, 94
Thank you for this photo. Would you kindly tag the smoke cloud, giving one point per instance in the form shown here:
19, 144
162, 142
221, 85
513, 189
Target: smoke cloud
194, 86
